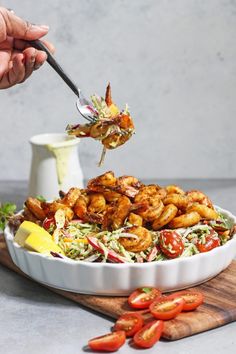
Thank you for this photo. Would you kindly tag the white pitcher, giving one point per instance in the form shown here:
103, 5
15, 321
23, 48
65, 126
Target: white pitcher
55, 165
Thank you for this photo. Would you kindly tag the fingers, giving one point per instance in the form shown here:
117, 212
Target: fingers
20, 44
16, 72
14, 26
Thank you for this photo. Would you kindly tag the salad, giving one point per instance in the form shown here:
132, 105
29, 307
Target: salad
122, 220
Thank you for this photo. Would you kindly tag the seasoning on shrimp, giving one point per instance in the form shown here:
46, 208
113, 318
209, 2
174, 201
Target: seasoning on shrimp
112, 127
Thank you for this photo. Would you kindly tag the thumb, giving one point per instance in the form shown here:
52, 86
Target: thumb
13, 26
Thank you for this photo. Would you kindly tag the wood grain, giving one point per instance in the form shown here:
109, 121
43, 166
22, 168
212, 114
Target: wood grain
218, 309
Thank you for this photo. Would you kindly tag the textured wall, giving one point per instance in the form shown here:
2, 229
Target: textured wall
174, 62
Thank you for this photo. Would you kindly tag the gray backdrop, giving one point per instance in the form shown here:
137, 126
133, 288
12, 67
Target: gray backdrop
174, 62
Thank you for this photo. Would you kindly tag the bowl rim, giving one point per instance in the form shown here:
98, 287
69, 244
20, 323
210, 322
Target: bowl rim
8, 234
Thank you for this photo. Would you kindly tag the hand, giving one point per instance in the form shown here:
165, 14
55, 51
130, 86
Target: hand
17, 59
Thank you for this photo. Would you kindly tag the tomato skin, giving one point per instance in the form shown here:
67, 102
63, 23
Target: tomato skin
149, 334
166, 308
212, 241
109, 342
139, 299
192, 299
171, 239
48, 222
130, 323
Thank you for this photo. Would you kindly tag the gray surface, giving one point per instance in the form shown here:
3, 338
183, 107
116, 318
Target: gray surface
35, 320
174, 62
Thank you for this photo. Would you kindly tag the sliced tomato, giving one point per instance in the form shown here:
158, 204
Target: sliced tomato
212, 241
109, 342
48, 223
166, 308
130, 323
143, 297
192, 299
149, 334
171, 243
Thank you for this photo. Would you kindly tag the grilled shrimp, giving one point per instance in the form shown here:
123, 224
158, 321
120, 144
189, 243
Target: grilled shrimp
199, 197
127, 185
121, 211
169, 212
178, 200
173, 189
97, 203
70, 198
145, 192
51, 208
141, 243
153, 210
35, 207
135, 219
107, 218
81, 205
204, 211
185, 220
102, 182
111, 196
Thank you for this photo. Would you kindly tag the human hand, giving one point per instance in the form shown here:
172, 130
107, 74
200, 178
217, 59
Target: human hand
17, 59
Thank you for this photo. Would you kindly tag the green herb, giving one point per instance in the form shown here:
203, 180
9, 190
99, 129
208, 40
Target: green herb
40, 198
6, 210
146, 290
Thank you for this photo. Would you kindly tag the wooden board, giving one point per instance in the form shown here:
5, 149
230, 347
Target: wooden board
218, 309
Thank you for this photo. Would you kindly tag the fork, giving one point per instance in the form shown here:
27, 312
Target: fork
84, 106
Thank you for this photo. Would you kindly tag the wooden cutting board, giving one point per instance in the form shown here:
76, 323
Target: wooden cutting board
218, 309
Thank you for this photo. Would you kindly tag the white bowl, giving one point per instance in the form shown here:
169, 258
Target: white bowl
121, 279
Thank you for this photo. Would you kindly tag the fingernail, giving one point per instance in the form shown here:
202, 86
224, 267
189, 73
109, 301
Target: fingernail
37, 66
45, 27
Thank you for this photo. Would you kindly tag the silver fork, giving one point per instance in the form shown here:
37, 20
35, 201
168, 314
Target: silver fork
84, 106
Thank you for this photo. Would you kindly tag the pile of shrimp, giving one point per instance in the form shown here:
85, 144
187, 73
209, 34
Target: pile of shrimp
116, 202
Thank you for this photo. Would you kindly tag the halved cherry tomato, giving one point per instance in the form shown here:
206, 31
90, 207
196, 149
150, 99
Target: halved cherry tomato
171, 243
212, 241
130, 323
48, 223
109, 342
143, 297
149, 334
166, 308
192, 299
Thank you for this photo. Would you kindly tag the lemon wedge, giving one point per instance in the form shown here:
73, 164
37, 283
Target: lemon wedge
41, 243
26, 228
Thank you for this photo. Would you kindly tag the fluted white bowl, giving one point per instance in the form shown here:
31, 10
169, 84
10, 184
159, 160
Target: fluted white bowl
120, 279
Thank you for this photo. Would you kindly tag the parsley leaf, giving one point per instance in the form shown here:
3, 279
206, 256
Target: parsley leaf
146, 290
40, 198
6, 210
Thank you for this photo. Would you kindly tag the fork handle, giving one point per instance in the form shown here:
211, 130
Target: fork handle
37, 44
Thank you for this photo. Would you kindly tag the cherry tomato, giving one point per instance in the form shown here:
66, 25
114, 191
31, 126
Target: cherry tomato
192, 299
171, 243
130, 323
109, 342
166, 308
143, 297
48, 223
149, 334
212, 241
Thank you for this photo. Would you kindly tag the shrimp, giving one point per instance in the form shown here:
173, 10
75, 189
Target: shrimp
173, 189
121, 211
178, 200
185, 220
80, 207
30, 216
70, 198
128, 186
204, 211
102, 182
154, 209
169, 212
35, 207
107, 218
51, 209
141, 243
199, 197
97, 203
111, 196
135, 219
145, 192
